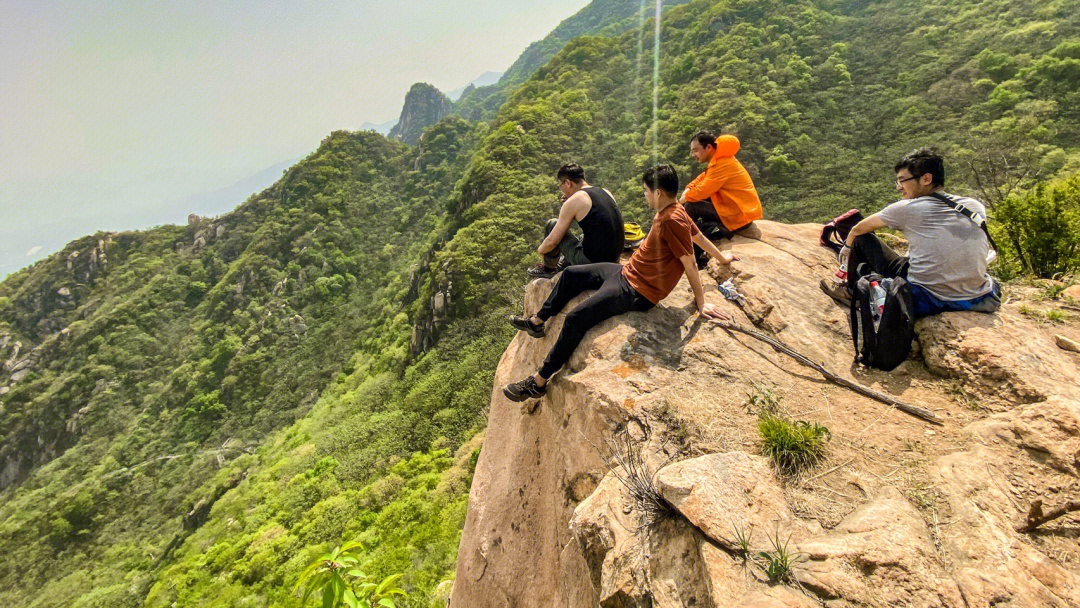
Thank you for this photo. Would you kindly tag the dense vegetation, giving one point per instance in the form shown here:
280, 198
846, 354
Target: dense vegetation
233, 398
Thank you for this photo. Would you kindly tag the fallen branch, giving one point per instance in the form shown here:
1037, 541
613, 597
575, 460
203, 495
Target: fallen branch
1036, 517
918, 412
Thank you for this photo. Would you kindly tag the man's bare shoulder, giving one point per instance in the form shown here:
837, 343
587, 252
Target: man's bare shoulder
578, 204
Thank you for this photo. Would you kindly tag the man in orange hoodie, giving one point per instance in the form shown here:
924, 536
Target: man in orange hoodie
722, 199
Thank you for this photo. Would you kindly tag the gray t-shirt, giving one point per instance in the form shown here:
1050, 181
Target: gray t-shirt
947, 250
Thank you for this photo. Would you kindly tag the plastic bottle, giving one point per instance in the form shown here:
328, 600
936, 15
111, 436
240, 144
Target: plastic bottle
842, 273
877, 298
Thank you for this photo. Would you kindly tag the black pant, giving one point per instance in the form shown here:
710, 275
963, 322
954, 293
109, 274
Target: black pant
869, 254
614, 296
704, 215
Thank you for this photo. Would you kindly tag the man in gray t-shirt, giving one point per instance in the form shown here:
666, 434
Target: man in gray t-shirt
947, 251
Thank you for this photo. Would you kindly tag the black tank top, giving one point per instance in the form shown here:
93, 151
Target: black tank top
602, 228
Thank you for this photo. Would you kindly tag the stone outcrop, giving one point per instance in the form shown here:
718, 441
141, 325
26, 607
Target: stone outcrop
424, 106
900, 513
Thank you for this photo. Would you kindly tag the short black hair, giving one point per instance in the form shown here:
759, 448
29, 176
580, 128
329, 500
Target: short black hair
662, 177
704, 138
572, 172
923, 161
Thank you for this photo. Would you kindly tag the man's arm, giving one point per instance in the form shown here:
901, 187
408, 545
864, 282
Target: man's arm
708, 183
567, 214
866, 226
706, 310
724, 257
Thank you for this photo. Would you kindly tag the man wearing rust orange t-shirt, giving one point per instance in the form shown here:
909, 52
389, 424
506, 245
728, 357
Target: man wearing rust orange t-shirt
653, 271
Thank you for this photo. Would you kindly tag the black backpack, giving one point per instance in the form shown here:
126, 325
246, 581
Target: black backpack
835, 232
887, 345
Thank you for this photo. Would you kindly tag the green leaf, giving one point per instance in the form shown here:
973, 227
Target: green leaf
328, 596
350, 599
389, 603
357, 573
387, 583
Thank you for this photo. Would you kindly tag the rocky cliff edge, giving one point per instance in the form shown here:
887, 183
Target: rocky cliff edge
901, 512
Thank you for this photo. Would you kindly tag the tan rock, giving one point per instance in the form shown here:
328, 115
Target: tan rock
1066, 344
991, 562
1072, 292
881, 554
548, 525
998, 354
720, 491
1048, 432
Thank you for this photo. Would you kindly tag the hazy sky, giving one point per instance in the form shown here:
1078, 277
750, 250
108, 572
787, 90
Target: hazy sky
110, 111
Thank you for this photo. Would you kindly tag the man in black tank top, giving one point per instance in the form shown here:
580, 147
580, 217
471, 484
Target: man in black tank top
601, 223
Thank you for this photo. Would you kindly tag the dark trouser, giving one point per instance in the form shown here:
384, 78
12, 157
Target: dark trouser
614, 296
704, 215
569, 248
869, 255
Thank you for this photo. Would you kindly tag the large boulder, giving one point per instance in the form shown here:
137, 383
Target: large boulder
901, 513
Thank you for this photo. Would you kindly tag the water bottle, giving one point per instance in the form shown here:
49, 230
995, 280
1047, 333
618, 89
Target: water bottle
877, 302
842, 273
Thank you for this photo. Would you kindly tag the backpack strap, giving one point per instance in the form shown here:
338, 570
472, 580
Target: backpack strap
969, 213
855, 321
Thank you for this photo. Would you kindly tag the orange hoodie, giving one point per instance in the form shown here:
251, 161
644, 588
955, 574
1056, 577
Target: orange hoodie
727, 184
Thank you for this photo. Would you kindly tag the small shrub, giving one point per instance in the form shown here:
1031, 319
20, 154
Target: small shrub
742, 540
336, 577
793, 446
777, 564
762, 401
630, 469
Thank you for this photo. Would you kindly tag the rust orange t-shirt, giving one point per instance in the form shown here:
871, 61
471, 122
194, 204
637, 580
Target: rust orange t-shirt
655, 269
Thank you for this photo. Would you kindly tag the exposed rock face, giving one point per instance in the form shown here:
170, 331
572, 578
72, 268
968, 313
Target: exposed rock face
424, 106
901, 513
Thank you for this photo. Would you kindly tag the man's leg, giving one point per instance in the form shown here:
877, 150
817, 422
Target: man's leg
614, 297
869, 255
551, 258
573, 281
704, 215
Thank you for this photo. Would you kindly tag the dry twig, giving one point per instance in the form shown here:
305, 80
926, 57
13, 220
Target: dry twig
914, 410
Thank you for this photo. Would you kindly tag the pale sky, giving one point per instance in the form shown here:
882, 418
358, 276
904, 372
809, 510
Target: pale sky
113, 113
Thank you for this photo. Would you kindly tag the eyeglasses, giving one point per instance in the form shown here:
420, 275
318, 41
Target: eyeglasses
906, 179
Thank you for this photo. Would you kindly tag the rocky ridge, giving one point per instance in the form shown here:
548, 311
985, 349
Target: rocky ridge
901, 513
424, 106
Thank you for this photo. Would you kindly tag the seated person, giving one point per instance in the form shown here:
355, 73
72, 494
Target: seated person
649, 276
594, 209
723, 198
947, 251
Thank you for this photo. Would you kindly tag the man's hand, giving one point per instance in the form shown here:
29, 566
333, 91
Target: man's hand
711, 311
726, 257
845, 255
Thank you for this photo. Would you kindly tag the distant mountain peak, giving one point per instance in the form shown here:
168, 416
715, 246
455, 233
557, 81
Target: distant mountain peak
424, 106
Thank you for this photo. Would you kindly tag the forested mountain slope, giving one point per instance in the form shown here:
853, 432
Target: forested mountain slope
195, 412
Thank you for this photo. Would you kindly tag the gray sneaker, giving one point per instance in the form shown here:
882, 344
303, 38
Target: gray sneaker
837, 291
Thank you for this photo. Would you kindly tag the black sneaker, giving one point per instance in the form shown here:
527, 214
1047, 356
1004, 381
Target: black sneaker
837, 291
541, 272
526, 389
522, 323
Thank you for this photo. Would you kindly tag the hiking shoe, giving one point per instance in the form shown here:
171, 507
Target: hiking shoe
541, 272
525, 389
522, 323
837, 291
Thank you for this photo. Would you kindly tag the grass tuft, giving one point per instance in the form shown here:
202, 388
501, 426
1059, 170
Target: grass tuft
792, 445
777, 564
